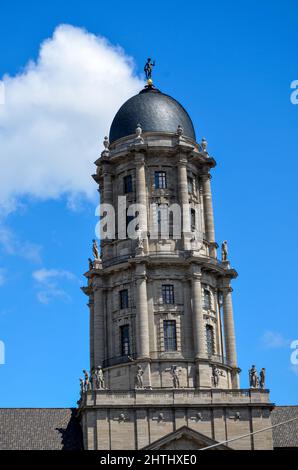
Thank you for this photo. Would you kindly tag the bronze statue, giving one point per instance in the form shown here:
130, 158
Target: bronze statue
148, 68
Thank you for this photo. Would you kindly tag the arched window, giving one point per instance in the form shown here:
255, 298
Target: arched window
210, 340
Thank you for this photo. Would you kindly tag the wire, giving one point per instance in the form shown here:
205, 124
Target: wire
249, 434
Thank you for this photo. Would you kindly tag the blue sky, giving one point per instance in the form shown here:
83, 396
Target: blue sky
231, 66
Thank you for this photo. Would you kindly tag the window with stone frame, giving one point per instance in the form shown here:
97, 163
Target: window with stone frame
168, 294
123, 298
124, 340
127, 184
190, 185
206, 299
160, 180
170, 335
210, 340
192, 220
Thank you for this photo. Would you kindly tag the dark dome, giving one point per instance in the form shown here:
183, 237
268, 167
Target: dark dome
154, 111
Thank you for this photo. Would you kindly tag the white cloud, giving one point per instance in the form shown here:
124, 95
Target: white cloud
47, 284
274, 340
56, 113
11, 245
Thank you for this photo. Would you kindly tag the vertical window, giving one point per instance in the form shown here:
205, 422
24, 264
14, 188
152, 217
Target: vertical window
207, 299
127, 184
170, 337
123, 294
125, 342
193, 219
190, 185
168, 294
160, 180
210, 340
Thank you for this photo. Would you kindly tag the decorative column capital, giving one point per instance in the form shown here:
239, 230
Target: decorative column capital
205, 177
139, 159
182, 160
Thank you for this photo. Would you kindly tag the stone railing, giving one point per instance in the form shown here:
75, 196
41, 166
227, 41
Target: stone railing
174, 397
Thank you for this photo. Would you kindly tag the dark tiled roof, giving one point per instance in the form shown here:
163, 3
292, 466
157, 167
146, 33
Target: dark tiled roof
39, 429
287, 434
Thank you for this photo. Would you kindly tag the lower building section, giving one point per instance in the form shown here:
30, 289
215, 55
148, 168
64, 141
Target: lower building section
175, 418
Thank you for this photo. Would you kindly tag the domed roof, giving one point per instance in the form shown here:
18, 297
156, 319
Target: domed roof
154, 111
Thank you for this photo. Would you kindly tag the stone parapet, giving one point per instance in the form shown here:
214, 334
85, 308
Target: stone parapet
174, 397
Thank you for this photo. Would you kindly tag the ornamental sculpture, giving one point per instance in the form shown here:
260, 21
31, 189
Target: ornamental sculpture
174, 371
139, 377
215, 376
95, 250
148, 69
224, 251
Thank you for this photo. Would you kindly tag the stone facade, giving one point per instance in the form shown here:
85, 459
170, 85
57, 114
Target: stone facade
162, 301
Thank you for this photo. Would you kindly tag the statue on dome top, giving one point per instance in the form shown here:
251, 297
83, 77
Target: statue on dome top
148, 69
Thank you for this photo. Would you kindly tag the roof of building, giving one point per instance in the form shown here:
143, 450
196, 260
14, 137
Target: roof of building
59, 429
285, 435
154, 111
39, 429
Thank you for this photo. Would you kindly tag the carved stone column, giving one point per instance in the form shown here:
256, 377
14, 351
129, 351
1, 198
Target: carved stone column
141, 194
91, 330
198, 320
229, 333
184, 199
107, 185
142, 318
208, 212
99, 333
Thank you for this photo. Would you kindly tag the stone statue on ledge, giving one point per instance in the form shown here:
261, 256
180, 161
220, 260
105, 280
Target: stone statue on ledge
253, 377
95, 250
87, 383
262, 377
139, 377
224, 251
215, 376
81, 386
174, 371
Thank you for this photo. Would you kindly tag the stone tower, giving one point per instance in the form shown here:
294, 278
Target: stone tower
161, 317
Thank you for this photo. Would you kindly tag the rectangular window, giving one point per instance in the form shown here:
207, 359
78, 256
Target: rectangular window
170, 336
210, 340
206, 299
193, 219
190, 185
160, 180
127, 184
123, 295
168, 294
125, 340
